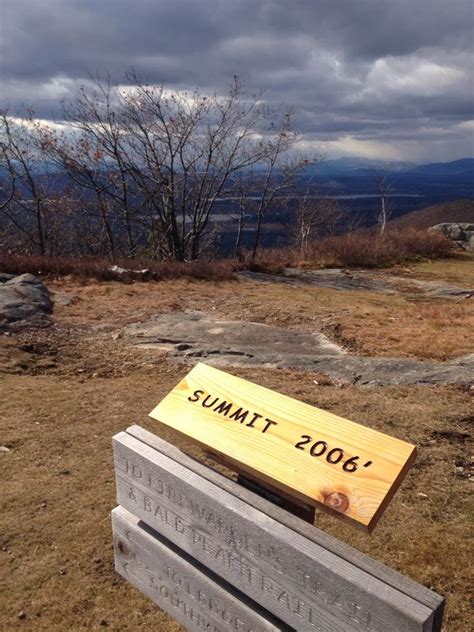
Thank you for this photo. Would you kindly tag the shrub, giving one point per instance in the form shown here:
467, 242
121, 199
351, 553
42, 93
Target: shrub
362, 249
103, 270
353, 250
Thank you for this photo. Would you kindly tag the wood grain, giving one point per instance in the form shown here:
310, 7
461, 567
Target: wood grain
385, 575
311, 454
299, 580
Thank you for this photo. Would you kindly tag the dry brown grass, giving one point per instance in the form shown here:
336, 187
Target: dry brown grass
59, 490
457, 270
363, 322
66, 390
440, 330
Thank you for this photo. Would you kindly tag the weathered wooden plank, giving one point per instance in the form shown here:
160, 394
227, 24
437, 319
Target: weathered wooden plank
314, 455
380, 571
298, 580
185, 591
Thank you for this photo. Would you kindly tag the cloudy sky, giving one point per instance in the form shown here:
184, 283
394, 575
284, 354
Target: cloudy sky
384, 79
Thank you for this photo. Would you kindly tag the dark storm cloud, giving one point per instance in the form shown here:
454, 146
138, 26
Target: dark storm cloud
367, 76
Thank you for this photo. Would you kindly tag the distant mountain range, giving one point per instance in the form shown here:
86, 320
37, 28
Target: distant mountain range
419, 185
456, 167
366, 167
353, 166
358, 166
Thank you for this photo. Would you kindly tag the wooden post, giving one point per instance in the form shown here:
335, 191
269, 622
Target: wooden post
261, 556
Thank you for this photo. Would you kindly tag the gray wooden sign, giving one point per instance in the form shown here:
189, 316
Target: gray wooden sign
178, 586
307, 579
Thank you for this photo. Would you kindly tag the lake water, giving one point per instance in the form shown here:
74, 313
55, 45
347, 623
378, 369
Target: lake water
352, 196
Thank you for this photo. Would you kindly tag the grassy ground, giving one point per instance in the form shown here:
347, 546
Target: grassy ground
67, 390
368, 323
458, 270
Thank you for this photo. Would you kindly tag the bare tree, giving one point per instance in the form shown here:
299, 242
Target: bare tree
243, 190
192, 146
317, 218
279, 176
383, 188
181, 152
83, 163
8, 188
28, 207
311, 216
147, 167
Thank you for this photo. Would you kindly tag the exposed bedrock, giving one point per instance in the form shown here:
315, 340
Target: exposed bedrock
190, 336
360, 280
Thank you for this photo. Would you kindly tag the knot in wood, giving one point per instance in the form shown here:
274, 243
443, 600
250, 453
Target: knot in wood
337, 501
122, 547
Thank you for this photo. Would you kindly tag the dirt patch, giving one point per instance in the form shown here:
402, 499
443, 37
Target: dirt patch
452, 436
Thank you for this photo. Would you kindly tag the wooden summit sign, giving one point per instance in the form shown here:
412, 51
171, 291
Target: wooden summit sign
219, 558
302, 451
